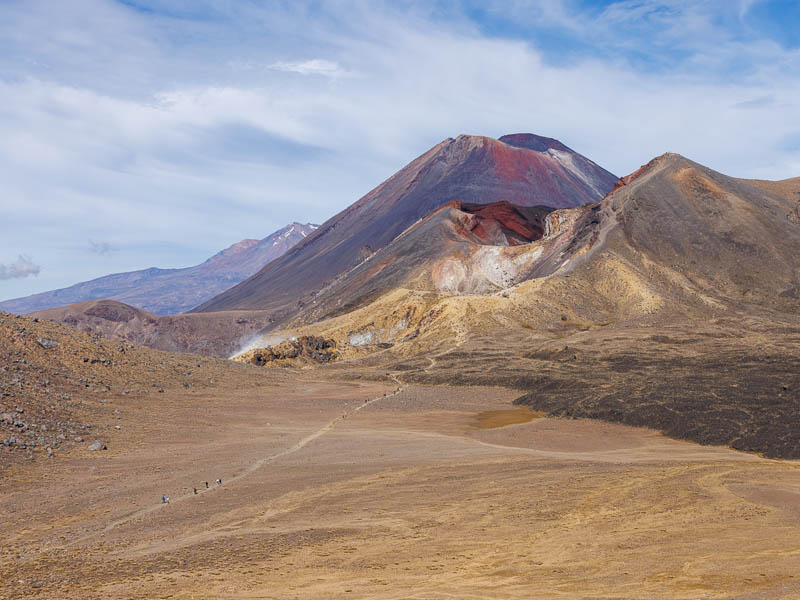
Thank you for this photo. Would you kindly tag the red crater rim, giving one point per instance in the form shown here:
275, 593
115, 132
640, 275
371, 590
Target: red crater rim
519, 224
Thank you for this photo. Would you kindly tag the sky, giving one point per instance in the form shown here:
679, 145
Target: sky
139, 133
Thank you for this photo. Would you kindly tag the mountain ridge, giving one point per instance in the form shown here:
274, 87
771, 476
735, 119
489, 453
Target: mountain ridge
172, 291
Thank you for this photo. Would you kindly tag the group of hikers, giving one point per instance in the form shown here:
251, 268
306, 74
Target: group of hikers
165, 499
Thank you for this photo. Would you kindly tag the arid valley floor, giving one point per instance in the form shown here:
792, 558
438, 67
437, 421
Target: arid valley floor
418, 492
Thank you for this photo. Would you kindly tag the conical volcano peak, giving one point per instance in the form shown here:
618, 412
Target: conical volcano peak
471, 169
531, 141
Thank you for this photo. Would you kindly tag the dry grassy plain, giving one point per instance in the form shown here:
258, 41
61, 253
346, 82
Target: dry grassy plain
429, 492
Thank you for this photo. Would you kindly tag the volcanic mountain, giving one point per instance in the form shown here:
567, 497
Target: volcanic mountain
675, 239
523, 169
172, 291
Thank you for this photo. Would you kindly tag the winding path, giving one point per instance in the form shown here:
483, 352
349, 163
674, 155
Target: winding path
247, 471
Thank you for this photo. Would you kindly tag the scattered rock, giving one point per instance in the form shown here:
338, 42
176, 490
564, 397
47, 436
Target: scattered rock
47, 343
317, 349
97, 445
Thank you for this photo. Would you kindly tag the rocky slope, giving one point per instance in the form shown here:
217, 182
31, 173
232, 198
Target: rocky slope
788, 189
523, 169
172, 291
61, 389
213, 334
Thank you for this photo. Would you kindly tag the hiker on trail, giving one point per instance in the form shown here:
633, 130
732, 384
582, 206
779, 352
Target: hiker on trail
167, 499
219, 481
195, 491
206, 485
163, 499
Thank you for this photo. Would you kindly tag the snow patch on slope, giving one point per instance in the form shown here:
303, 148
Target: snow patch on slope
578, 168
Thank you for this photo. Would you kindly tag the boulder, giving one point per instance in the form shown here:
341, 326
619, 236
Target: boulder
47, 343
97, 445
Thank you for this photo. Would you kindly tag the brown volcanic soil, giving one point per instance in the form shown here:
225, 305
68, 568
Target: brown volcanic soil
358, 488
59, 386
707, 383
789, 189
405, 497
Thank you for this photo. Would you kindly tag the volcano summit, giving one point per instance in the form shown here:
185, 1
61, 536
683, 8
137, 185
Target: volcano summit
522, 169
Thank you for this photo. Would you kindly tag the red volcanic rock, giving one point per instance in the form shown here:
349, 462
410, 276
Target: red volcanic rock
515, 224
623, 181
521, 169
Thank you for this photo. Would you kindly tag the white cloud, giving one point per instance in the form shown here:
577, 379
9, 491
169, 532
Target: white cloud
101, 248
21, 268
315, 66
745, 6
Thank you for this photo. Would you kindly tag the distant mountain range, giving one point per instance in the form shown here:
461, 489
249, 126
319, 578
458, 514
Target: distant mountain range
173, 291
